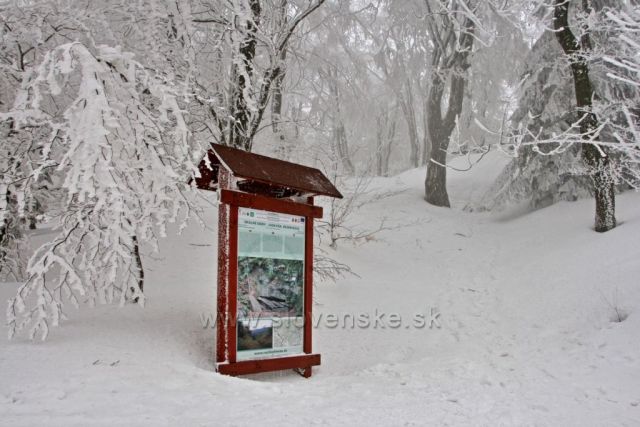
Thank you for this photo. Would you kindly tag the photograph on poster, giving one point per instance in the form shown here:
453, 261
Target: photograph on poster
270, 294
270, 287
255, 335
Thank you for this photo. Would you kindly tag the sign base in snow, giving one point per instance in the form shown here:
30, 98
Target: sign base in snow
264, 284
265, 260
302, 364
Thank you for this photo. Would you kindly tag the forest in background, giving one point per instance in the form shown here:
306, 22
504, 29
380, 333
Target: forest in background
107, 107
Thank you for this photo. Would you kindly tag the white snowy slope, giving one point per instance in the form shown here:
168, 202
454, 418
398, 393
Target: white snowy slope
527, 336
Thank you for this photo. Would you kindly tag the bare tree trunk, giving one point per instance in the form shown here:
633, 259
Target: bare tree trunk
5, 227
276, 102
386, 154
598, 164
243, 122
340, 141
278, 81
241, 117
276, 107
435, 184
385, 134
440, 127
342, 146
408, 110
138, 258
426, 141
11, 230
296, 114
381, 129
139, 268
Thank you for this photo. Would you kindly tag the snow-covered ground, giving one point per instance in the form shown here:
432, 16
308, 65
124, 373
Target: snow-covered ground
528, 332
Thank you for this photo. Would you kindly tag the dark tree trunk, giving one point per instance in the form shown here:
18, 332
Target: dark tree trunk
342, 146
426, 141
408, 110
599, 165
138, 258
436, 182
276, 109
385, 134
276, 102
339, 133
5, 228
10, 228
240, 127
139, 268
387, 149
244, 124
380, 131
440, 129
452, 65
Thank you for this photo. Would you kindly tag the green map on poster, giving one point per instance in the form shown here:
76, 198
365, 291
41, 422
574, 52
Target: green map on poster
270, 284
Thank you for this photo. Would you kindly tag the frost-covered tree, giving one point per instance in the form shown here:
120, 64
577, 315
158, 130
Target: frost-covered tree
33, 121
452, 29
572, 134
335, 94
246, 43
457, 30
26, 31
340, 79
118, 146
578, 50
581, 110
543, 108
623, 80
403, 60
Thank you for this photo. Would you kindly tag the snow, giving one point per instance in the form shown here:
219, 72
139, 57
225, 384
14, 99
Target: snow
526, 338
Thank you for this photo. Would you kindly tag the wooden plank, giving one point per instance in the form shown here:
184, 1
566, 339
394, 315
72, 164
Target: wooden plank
232, 283
254, 201
307, 345
267, 365
276, 172
223, 262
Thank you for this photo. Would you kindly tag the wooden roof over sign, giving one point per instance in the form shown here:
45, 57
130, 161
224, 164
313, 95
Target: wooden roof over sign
263, 171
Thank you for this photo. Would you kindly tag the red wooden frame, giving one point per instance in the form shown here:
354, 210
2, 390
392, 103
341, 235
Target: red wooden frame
223, 275
303, 362
255, 201
226, 345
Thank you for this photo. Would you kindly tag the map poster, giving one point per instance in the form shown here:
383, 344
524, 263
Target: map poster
270, 284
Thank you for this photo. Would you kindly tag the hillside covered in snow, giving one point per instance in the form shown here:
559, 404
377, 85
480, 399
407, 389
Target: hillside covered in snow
163, 255
538, 325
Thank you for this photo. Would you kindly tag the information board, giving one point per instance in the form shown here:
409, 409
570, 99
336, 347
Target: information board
270, 293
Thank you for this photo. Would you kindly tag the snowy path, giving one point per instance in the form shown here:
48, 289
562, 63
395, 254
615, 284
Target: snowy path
525, 338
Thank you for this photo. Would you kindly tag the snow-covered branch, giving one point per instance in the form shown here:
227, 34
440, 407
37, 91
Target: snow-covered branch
118, 147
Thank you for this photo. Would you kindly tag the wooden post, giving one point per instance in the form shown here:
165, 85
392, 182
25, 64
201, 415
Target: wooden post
232, 284
226, 358
308, 288
223, 262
